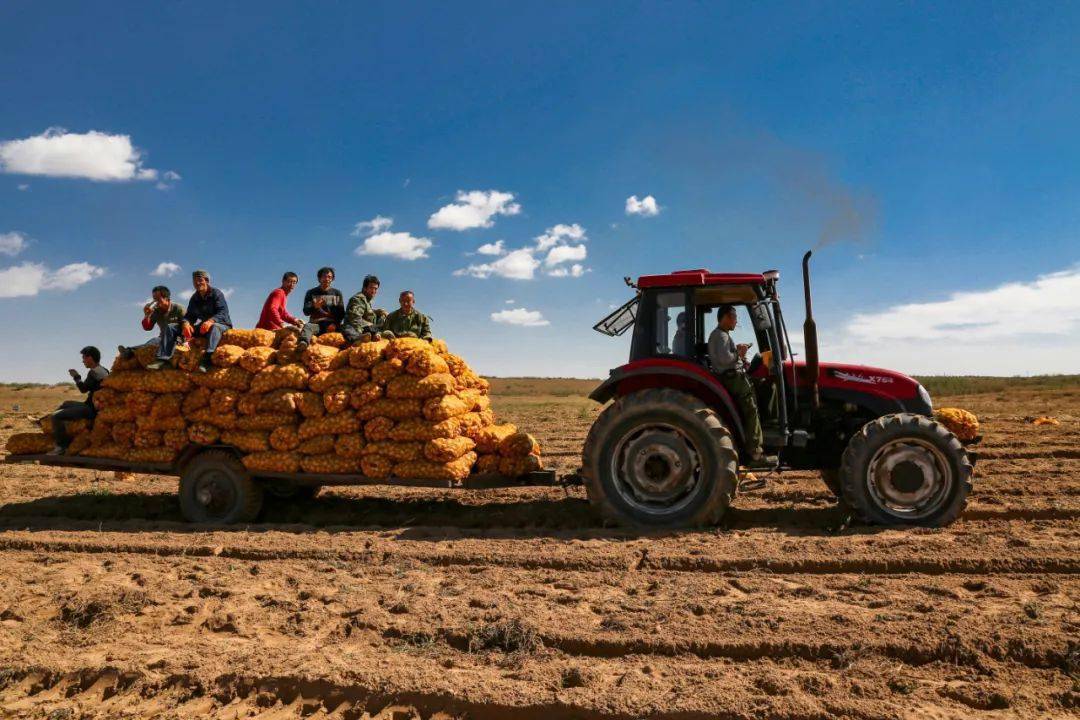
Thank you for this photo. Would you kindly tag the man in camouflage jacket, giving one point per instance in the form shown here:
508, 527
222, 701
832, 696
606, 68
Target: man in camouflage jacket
407, 321
360, 317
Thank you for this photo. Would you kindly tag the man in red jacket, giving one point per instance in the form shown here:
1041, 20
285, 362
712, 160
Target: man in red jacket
274, 314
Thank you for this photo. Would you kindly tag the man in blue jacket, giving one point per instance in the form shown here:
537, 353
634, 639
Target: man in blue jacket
207, 315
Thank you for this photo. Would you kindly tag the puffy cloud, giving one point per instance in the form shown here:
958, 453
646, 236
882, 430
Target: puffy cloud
564, 253
520, 316
12, 243
401, 245
29, 279
165, 269
495, 248
186, 294
515, 265
646, 206
168, 179
575, 270
93, 155
375, 225
473, 209
560, 235
23, 187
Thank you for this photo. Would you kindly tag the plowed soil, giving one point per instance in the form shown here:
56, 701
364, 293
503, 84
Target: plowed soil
397, 603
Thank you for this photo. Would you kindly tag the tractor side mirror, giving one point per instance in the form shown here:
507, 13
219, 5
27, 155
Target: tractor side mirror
760, 313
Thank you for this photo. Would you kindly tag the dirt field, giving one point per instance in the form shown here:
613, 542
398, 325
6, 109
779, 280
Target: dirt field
399, 603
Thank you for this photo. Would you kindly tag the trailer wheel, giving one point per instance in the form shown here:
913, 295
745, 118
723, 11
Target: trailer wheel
905, 469
216, 489
291, 491
660, 458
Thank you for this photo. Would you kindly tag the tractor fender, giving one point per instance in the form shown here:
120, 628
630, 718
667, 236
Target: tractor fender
877, 405
677, 375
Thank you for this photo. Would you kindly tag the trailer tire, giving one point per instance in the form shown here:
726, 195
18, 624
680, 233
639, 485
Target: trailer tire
216, 489
660, 458
905, 469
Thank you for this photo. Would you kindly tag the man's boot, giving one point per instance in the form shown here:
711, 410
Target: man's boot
204, 364
158, 365
760, 461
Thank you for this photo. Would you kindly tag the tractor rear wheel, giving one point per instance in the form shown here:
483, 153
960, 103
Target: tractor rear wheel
660, 458
905, 469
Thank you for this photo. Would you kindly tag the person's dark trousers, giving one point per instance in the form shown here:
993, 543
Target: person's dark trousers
352, 335
166, 341
743, 393
311, 329
69, 410
213, 338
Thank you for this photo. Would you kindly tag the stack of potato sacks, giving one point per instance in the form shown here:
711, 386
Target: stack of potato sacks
401, 408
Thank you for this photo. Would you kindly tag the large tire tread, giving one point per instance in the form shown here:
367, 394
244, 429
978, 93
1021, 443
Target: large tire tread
250, 492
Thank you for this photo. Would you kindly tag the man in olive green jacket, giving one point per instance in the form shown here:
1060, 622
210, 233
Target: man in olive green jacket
360, 317
407, 321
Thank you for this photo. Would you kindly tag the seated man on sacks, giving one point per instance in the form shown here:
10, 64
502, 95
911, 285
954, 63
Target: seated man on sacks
70, 410
407, 321
168, 316
207, 316
324, 306
275, 315
360, 317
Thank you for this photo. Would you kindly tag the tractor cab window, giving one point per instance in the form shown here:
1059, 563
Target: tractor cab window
671, 325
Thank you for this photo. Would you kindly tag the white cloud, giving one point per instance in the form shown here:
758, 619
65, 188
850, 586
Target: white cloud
511, 301
93, 155
564, 253
495, 248
574, 270
516, 265
646, 206
165, 269
400, 245
1015, 328
473, 209
29, 279
520, 316
23, 187
186, 294
560, 235
168, 179
12, 243
375, 225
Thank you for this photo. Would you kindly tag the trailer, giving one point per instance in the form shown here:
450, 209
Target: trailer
216, 488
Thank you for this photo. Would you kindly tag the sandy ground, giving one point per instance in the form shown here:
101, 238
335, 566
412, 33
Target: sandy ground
398, 603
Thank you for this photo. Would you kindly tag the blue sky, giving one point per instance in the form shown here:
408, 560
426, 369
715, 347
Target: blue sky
934, 149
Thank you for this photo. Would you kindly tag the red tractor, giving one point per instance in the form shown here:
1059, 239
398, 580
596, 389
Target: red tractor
667, 451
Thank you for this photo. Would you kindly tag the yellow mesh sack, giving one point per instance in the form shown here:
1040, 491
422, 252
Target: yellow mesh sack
123, 433
336, 401
227, 355
488, 463
285, 438
29, 444
146, 439
349, 446
187, 357
197, 399
145, 354
445, 406
426, 362
290, 356
469, 380
278, 401
168, 405
396, 451
248, 404
457, 365
310, 404
161, 424
109, 450
387, 407
476, 399
420, 429
519, 444
386, 369
404, 347
234, 378
410, 386
139, 402
256, 358
175, 439
330, 464
264, 421
286, 338
444, 450
333, 339
367, 355
247, 440
119, 413
79, 443
454, 471
318, 445
203, 434
518, 466
366, 393
248, 338
120, 364
271, 461
152, 454
206, 416
159, 381
378, 429
106, 397
73, 428
489, 438
317, 357
961, 423
339, 424
224, 400
101, 432
471, 422
279, 376
376, 466
439, 346
345, 377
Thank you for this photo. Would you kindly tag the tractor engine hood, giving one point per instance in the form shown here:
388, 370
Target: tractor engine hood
841, 380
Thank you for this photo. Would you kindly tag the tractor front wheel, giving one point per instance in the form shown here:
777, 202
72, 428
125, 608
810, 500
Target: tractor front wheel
660, 458
905, 469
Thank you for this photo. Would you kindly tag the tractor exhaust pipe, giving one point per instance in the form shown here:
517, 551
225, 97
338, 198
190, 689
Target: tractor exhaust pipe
810, 335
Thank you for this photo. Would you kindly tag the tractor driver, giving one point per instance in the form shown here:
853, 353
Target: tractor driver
729, 363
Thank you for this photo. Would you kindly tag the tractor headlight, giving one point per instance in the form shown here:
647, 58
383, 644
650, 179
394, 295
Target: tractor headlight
925, 397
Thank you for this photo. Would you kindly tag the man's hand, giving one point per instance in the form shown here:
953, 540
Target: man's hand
298, 323
187, 331
148, 308
74, 375
741, 348
319, 302
205, 327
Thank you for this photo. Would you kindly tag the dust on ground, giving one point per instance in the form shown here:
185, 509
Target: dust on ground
398, 602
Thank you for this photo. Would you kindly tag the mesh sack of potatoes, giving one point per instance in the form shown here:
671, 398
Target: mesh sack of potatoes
264, 421
203, 434
405, 347
423, 430
105, 397
329, 425
139, 402
277, 401
120, 364
443, 450
367, 393
378, 428
78, 444
470, 380
329, 463
396, 451
117, 413
519, 444
310, 404
274, 377
411, 386
286, 338
248, 338
197, 399
71, 427
227, 355
961, 423
158, 454
33, 443
145, 354
477, 400
285, 438
159, 381
456, 470
108, 450
161, 424
333, 339
206, 416
123, 433
317, 357
445, 406
349, 446
223, 400
175, 439
187, 357
256, 358
376, 466
367, 355
101, 432
146, 438
272, 461
345, 377
233, 378
318, 445
248, 404
384, 370
247, 440
288, 356
489, 438
387, 407
457, 365
336, 400
518, 466
424, 362
487, 463
167, 405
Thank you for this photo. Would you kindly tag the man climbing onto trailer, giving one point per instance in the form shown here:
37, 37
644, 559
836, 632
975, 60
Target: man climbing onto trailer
360, 317
71, 410
729, 363
407, 321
